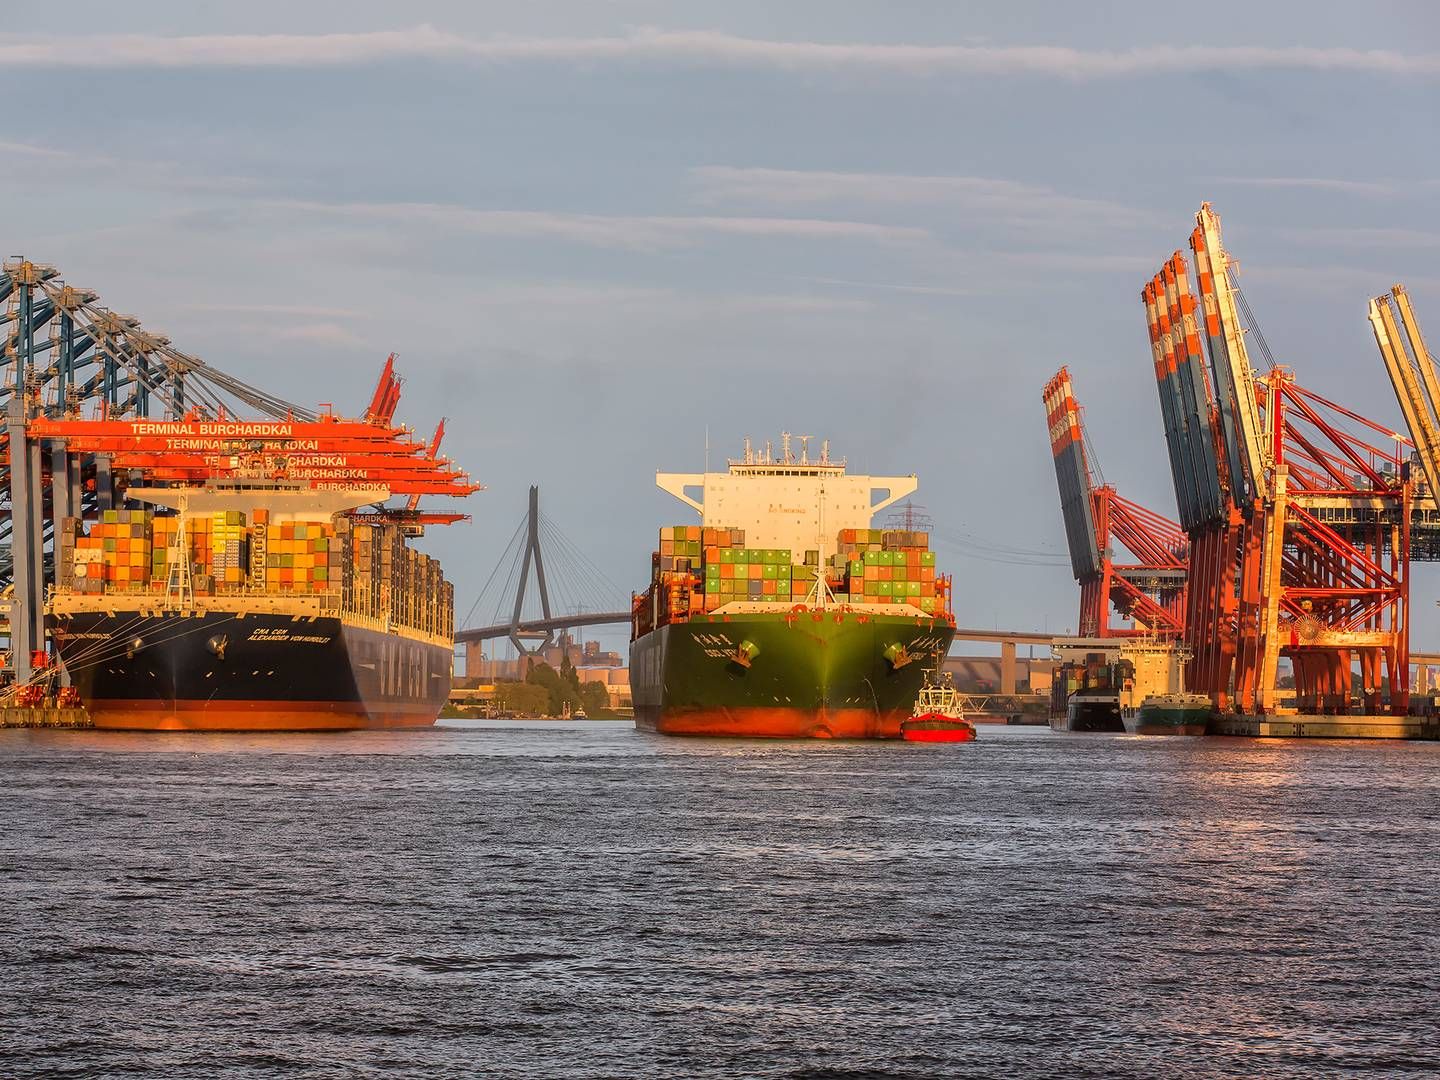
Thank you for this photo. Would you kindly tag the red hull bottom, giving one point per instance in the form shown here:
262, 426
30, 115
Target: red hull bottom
255, 716
775, 723
953, 735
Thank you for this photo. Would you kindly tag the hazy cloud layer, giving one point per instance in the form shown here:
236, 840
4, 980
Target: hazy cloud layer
54, 164
639, 232
999, 199
692, 47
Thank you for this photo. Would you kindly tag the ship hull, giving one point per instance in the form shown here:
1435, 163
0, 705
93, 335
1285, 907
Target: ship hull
268, 672
932, 727
1097, 715
1162, 720
803, 675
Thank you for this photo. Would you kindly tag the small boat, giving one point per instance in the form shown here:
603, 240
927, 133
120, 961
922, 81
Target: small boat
939, 714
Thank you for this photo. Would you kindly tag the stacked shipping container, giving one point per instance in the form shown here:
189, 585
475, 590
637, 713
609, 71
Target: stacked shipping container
889, 567
368, 567
699, 569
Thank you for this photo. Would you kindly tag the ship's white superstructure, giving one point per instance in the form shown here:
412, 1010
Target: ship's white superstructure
785, 500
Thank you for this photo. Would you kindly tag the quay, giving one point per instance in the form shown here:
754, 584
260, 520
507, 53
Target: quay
44, 716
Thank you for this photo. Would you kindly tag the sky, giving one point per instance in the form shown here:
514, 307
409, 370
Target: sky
598, 234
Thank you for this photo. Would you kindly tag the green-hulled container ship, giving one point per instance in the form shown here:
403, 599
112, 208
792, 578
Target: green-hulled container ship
783, 614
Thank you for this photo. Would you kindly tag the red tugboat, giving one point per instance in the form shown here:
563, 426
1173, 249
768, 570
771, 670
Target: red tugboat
939, 713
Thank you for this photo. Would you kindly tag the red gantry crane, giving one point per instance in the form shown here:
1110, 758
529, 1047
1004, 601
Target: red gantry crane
1150, 588
95, 403
1298, 510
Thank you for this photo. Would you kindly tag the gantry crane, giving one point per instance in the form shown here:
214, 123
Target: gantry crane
1150, 590
1299, 511
96, 404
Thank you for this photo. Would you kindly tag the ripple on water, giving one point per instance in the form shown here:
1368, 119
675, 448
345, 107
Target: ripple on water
588, 900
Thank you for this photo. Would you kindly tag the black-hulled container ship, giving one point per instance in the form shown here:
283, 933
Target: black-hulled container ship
252, 607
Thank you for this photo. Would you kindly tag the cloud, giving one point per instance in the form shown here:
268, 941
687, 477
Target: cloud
1387, 239
71, 166
1009, 201
1370, 189
699, 48
895, 287
324, 333
302, 311
657, 301
1356, 283
636, 232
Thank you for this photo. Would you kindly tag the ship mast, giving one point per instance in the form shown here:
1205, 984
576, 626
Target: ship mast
179, 590
821, 597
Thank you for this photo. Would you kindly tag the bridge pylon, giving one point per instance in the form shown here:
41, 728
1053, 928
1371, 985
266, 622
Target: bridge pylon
546, 637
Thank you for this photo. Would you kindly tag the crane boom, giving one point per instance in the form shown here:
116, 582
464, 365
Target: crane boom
1165, 385
1419, 353
1235, 379
1412, 401
1072, 472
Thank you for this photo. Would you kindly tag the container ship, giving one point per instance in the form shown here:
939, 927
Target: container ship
239, 606
783, 614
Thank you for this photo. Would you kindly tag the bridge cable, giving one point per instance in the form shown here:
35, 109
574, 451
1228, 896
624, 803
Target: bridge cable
499, 563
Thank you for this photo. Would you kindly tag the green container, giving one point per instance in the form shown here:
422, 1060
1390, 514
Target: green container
872, 588
884, 588
769, 572
857, 568
727, 555
927, 558
287, 562
322, 544
912, 588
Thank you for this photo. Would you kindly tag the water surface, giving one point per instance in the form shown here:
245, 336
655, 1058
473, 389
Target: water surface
585, 900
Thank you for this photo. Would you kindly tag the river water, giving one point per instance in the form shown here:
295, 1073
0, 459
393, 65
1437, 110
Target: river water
587, 900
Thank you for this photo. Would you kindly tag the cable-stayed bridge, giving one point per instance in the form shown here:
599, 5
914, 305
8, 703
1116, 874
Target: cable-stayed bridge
573, 593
